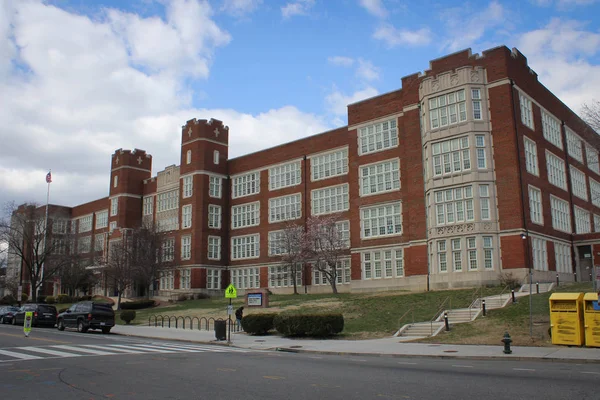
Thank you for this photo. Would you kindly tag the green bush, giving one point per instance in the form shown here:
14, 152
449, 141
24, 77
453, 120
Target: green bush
317, 325
8, 300
50, 300
63, 298
182, 297
103, 299
258, 324
24, 298
201, 296
127, 316
137, 305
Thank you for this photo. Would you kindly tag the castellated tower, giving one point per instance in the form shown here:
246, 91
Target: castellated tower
204, 189
128, 171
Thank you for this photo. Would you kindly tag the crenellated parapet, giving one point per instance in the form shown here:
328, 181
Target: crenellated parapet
131, 158
212, 129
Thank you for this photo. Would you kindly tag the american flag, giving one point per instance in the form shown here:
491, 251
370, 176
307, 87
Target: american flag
49, 177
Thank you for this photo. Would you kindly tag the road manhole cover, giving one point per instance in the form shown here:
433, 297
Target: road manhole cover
450, 351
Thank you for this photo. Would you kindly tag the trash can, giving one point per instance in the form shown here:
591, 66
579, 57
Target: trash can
566, 318
221, 329
591, 317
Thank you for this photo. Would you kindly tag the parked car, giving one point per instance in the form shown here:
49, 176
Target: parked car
87, 315
7, 313
43, 315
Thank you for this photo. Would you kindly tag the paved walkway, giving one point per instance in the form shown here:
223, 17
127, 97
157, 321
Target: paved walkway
379, 347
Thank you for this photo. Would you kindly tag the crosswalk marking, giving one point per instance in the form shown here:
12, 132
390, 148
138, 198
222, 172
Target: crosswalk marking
49, 351
130, 351
84, 350
143, 348
19, 355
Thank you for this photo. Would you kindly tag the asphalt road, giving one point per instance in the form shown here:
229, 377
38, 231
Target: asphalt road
67, 365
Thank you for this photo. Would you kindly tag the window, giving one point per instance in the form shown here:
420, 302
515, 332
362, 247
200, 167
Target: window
556, 171
85, 224
115, 180
245, 215
343, 230
102, 219
283, 276
99, 242
342, 270
383, 263
213, 278
214, 248
380, 221
526, 111
561, 217
59, 226
535, 206
168, 250
540, 254
596, 223
574, 145
188, 186
476, 98
214, 187
551, 129
114, 206
245, 278
579, 183
188, 157
484, 201
84, 244
472, 252
186, 247
112, 226
480, 144
456, 255
216, 156
488, 248
285, 175
59, 246
167, 201
331, 199
592, 159
329, 164
562, 256
454, 205
377, 137
447, 109
451, 156
380, 178
243, 247
582, 221
214, 216
148, 205
186, 217
73, 226
285, 208
167, 280
277, 246
246, 185
531, 158
185, 276
595, 192
165, 224
442, 260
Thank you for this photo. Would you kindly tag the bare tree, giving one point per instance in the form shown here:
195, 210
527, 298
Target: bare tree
289, 246
118, 268
591, 114
325, 244
75, 275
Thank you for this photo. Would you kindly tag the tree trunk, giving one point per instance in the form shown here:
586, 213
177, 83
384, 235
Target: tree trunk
119, 300
294, 280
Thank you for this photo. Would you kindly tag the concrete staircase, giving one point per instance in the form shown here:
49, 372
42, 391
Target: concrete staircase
420, 330
544, 287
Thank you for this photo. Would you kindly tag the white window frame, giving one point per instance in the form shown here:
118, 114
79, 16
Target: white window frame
114, 206
454, 202
574, 145
115, 181
539, 254
280, 277
379, 177
329, 164
592, 159
451, 156
186, 216
245, 185
557, 174
561, 215
596, 223
102, 219
476, 104
216, 157
245, 215
472, 253
376, 217
215, 186
488, 252
377, 137
186, 247
551, 129
343, 274
99, 242
188, 186
214, 247
536, 209
385, 263
251, 244
285, 208
167, 201
148, 208
442, 256
330, 199
456, 254
245, 278
188, 157
59, 226
168, 248
595, 192
85, 223
447, 109
480, 154
214, 216
112, 226
275, 246
285, 175
185, 278
562, 257
582, 221
213, 278
485, 203
526, 111
578, 183
531, 157
84, 244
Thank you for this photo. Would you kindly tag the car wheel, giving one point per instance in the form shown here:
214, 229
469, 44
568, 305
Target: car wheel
106, 330
81, 327
61, 325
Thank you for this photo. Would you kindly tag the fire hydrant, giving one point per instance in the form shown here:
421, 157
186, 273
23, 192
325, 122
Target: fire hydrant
507, 341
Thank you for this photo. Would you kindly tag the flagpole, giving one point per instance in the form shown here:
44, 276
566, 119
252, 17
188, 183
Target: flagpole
45, 230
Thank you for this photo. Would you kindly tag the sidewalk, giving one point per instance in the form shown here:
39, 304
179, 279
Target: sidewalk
392, 347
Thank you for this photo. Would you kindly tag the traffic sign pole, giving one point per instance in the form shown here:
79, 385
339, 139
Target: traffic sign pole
229, 317
230, 293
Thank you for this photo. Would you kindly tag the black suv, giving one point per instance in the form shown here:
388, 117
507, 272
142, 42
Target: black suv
43, 314
87, 315
7, 313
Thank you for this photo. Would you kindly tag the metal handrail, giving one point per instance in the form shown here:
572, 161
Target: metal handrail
410, 310
474, 297
437, 313
506, 288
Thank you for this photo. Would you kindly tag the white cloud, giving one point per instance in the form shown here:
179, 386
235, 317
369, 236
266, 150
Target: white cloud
366, 70
300, 7
402, 37
70, 100
464, 28
374, 7
341, 61
560, 54
564, 3
337, 101
240, 8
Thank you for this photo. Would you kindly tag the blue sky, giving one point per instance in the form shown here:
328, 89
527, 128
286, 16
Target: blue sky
81, 78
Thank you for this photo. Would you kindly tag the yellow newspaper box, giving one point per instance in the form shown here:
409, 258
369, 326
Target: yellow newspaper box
591, 315
566, 319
